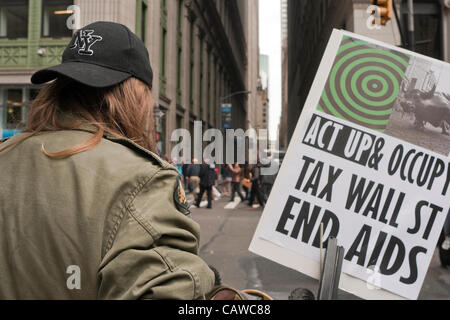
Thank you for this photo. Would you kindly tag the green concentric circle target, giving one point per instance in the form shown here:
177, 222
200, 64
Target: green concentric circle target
364, 83
377, 85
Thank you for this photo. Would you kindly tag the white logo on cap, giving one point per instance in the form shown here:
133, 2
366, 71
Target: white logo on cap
84, 40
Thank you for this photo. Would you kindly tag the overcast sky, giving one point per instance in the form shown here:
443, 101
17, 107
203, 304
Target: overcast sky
270, 44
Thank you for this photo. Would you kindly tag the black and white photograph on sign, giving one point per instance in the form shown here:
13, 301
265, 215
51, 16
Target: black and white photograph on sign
422, 112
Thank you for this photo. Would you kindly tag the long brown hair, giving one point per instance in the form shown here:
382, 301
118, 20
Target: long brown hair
122, 111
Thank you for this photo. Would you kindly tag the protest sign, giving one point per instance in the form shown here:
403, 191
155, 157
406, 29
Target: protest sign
370, 160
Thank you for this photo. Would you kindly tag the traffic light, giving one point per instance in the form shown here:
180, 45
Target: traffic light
385, 10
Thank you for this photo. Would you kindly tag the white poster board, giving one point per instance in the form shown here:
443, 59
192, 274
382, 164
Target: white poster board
370, 160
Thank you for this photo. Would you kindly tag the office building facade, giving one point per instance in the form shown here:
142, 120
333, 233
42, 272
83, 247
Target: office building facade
201, 51
310, 24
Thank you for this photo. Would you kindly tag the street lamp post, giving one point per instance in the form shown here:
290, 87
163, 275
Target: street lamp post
234, 94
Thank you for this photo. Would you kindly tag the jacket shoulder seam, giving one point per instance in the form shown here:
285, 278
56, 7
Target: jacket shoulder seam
152, 232
128, 204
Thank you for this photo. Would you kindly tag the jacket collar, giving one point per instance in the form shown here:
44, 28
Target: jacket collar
88, 127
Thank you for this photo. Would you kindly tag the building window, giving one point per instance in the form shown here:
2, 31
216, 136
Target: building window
142, 19
208, 74
179, 122
214, 95
163, 60
200, 88
14, 106
179, 49
54, 18
179, 69
163, 52
144, 24
13, 19
191, 68
218, 94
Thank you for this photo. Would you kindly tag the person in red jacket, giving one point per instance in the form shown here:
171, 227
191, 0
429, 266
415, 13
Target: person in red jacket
236, 181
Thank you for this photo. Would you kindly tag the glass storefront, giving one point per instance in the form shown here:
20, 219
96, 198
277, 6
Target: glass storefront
14, 103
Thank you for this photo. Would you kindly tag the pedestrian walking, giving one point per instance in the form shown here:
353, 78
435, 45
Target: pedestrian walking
267, 182
193, 176
185, 178
227, 176
178, 165
90, 211
207, 180
216, 193
256, 186
246, 181
236, 181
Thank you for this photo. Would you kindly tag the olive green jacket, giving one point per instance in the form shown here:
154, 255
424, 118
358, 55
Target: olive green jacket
108, 223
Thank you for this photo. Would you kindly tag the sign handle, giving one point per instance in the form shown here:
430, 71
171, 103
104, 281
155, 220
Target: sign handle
329, 281
321, 251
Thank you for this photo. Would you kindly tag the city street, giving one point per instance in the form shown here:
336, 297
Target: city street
226, 235
112, 113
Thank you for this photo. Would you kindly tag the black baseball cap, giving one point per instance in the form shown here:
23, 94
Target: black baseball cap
101, 55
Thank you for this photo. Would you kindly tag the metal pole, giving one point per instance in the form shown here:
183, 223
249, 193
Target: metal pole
411, 38
399, 24
321, 250
329, 282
